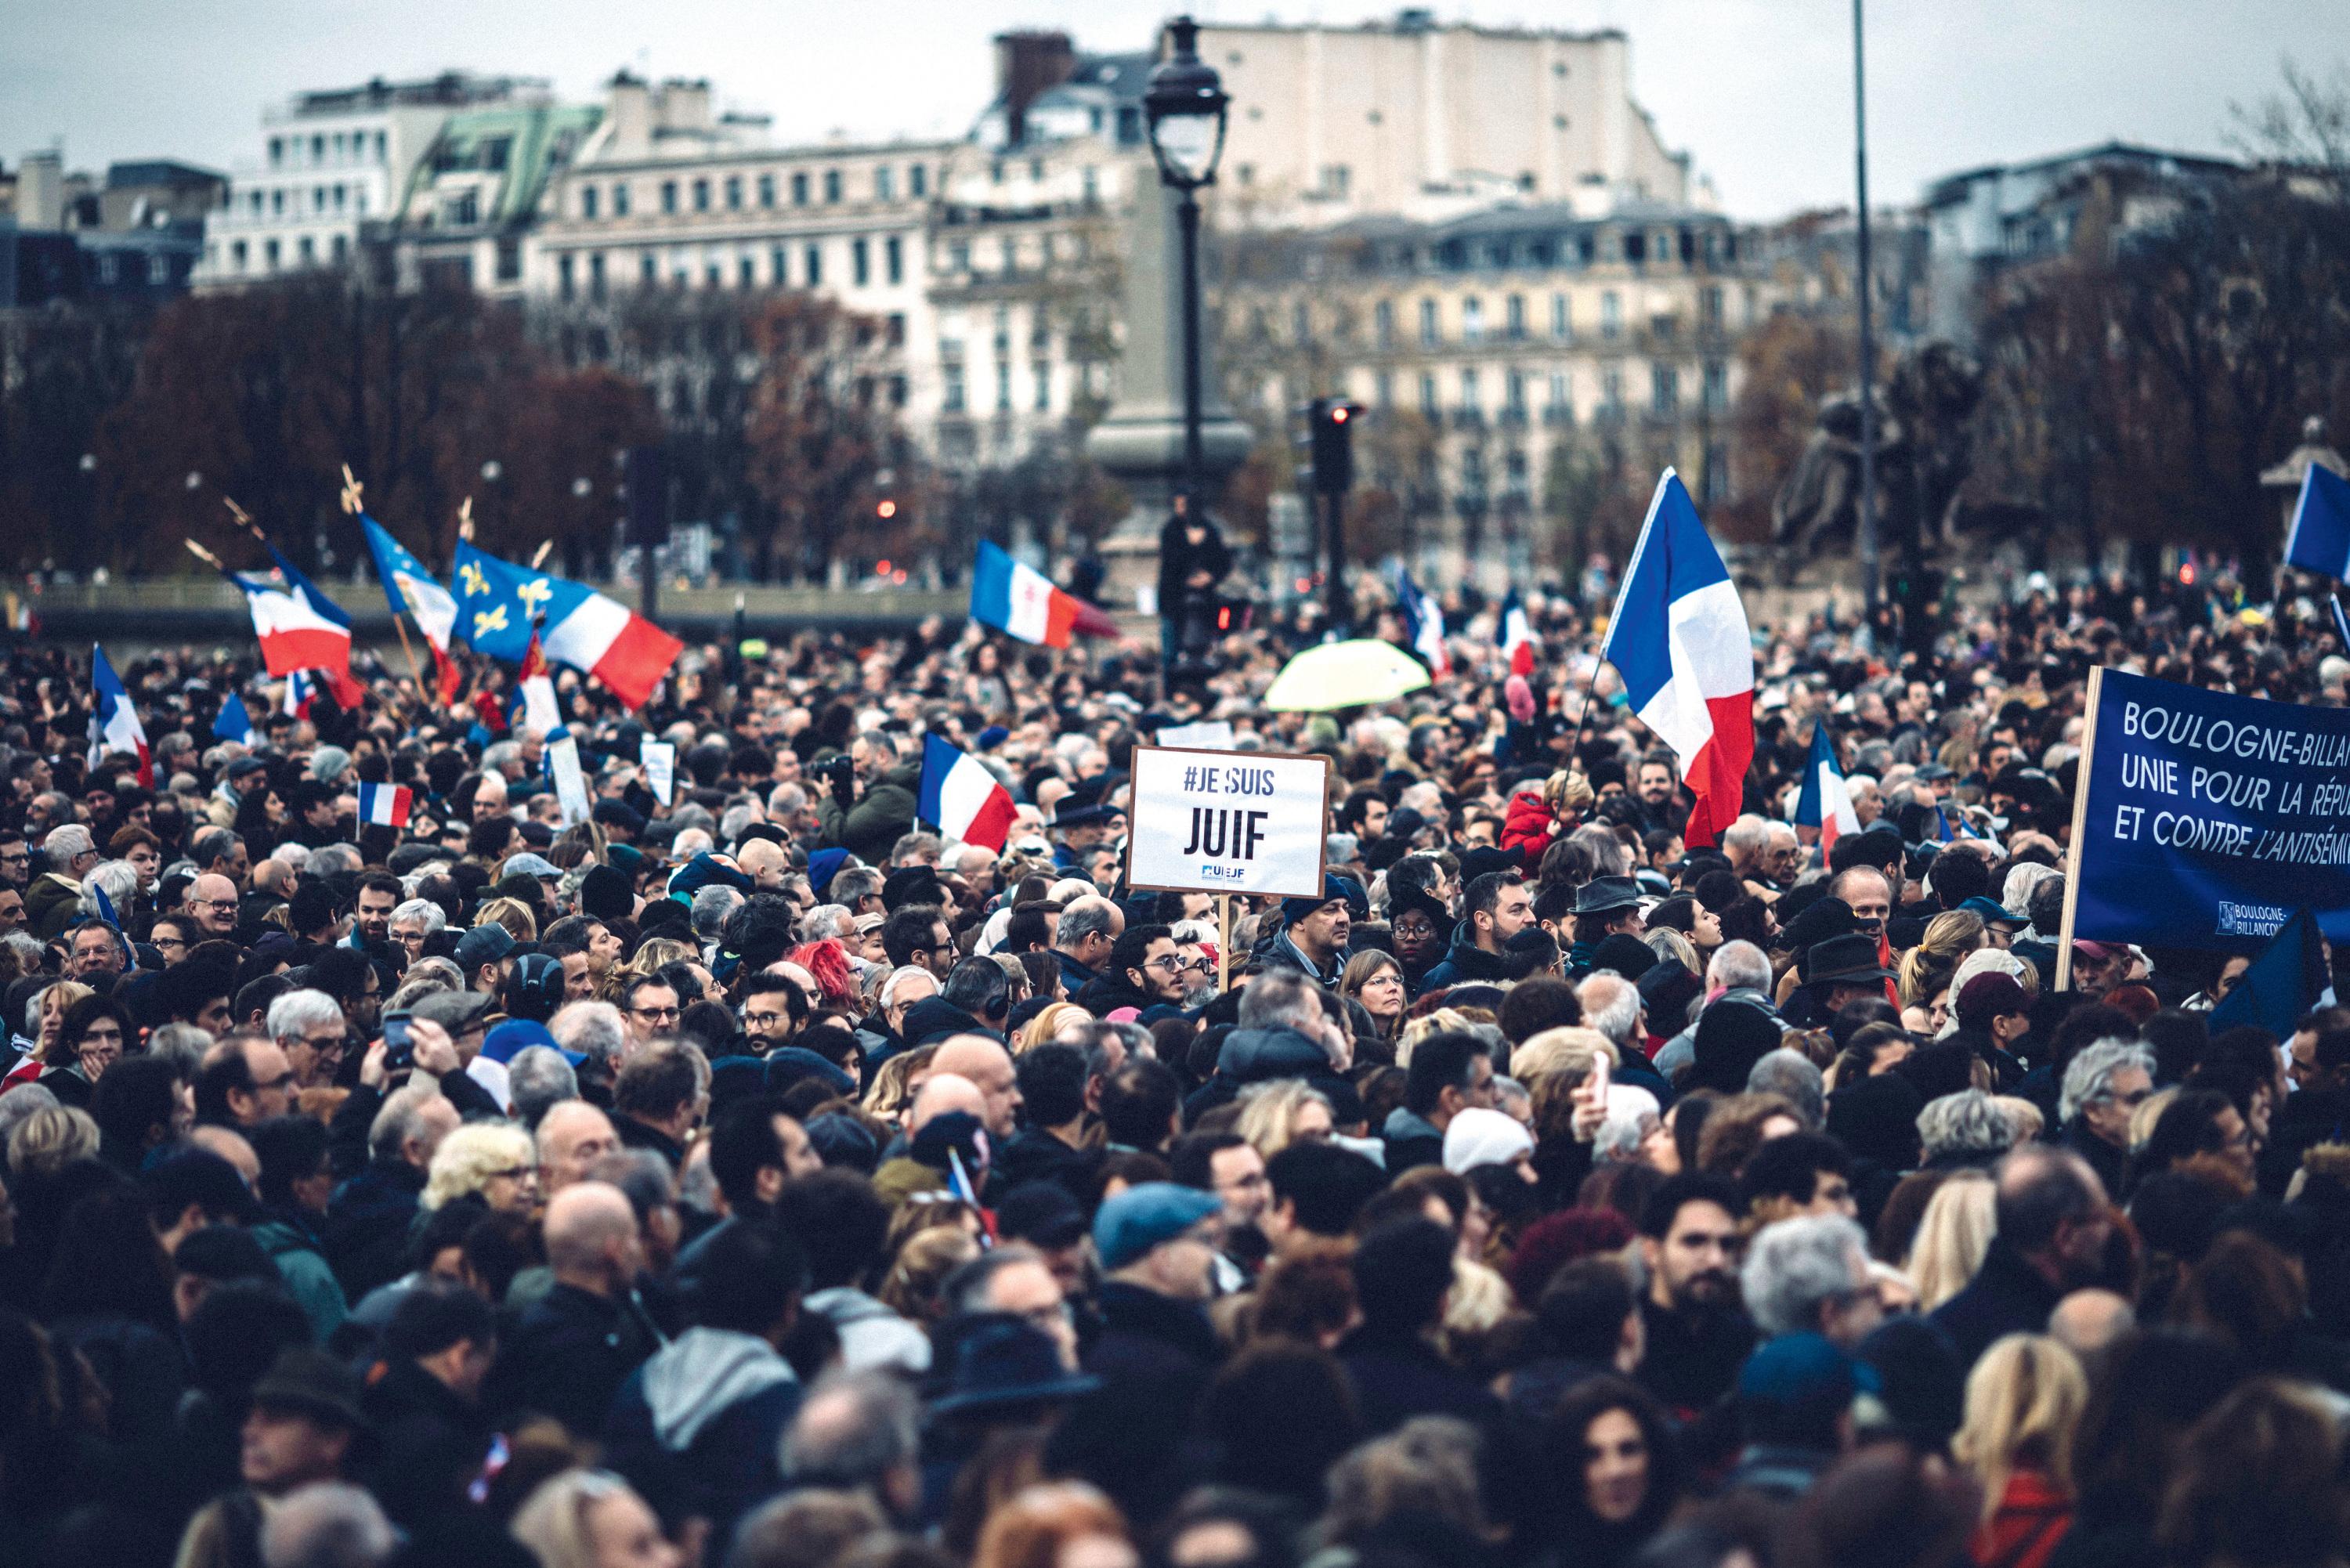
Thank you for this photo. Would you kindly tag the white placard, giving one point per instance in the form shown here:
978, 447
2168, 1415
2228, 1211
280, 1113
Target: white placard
659, 758
1207, 735
570, 781
1227, 821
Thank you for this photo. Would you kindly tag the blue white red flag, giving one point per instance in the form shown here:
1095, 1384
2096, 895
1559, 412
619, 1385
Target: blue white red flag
411, 590
961, 797
1679, 639
1423, 623
1515, 634
113, 724
1022, 601
497, 601
1826, 804
385, 806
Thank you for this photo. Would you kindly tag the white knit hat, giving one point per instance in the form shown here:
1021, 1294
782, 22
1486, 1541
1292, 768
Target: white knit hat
1479, 1137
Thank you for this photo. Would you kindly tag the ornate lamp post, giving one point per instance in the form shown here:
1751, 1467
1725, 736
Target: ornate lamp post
1186, 106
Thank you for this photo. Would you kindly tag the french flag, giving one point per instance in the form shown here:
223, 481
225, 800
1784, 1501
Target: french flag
1515, 634
540, 711
2320, 540
300, 627
1826, 804
409, 588
497, 602
963, 797
113, 724
1679, 638
1423, 623
384, 805
1023, 601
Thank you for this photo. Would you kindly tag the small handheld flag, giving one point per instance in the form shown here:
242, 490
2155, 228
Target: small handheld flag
1826, 804
1679, 639
384, 805
963, 797
1515, 634
540, 711
2320, 540
234, 723
1022, 602
113, 724
1423, 623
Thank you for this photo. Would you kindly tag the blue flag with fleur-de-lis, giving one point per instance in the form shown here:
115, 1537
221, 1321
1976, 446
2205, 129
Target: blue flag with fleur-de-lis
496, 600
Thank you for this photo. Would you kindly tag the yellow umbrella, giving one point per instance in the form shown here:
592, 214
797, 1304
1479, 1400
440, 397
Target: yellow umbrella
1345, 675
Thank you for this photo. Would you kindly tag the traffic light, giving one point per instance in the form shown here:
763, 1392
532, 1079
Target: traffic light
1333, 423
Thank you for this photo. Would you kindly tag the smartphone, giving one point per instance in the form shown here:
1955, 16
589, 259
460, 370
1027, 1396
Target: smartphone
398, 1053
1600, 1067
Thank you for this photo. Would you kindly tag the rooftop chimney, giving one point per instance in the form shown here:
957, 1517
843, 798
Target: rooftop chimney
41, 190
1027, 65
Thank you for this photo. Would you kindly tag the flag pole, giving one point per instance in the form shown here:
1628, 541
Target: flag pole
354, 503
1223, 943
2080, 824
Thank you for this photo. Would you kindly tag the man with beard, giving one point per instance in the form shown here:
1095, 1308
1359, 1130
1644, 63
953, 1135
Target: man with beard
2052, 1226
1698, 1330
1315, 932
1229, 1166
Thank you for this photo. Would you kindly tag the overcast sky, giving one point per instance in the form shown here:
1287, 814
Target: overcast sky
1759, 90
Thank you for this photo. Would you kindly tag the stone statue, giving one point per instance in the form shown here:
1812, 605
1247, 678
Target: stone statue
1924, 452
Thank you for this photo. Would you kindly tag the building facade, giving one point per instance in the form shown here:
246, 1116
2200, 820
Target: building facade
331, 162
1514, 365
137, 233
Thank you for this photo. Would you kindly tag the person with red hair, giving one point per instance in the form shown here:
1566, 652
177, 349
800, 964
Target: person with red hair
1062, 1525
827, 963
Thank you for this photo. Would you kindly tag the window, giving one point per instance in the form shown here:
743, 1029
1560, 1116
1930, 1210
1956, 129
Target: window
812, 271
338, 249
1089, 185
733, 193
276, 151
885, 183
1035, 168
587, 200
563, 284
269, 254
318, 198
1428, 403
1301, 321
895, 329
508, 262
1428, 336
1469, 397
1003, 387
1043, 374
340, 194
766, 190
952, 398
1717, 386
596, 275
1383, 323
495, 154
893, 259
1472, 320
465, 211
277, 204
1709, 308
1516, 327
959, 256
620, 200
860, 269
778, 273
799, 190
1517, 390
831, 185
669, 195
236, 255
1335, 180
1562, 401
649, 269
318, 147
1011, 256
307, 250
1611, 389
701, 195
746, 272
917, 180
1611, 314
1383, 389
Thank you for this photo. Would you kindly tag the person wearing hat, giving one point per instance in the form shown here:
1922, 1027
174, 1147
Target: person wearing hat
1994, 1016
485, 957
1313, 938
1794, 1412
1604, 907
303, 1427
1496, 906
1157, 1244
2000, 922
1835, 972
2099, 968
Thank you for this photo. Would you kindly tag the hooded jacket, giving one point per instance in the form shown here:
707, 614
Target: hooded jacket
697, 1427
871, 1334
882, 815
1464, 960
1529, 830
935, 1018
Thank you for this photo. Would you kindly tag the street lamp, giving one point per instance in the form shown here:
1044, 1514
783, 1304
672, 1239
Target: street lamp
1186, 105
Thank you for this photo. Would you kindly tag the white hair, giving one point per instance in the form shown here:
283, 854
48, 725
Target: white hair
1738, 964
1797, 1266
897, 978
120, 881
433, 916
593, 1029
296, 1013
2090, 1079
62, 844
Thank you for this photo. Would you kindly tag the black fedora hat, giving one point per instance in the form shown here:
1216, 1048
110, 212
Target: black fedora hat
1008, 1360
1843, 961
1603, 894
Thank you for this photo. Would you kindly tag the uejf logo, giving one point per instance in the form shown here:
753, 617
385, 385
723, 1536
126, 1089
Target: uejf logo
2248, 920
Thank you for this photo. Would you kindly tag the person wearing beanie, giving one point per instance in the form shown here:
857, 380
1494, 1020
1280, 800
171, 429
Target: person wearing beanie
1157, 1244
1313, 938
1478, 1137
1994, 1017
605, 894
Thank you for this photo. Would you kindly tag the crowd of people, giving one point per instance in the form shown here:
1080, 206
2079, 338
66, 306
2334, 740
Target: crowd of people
738, 1174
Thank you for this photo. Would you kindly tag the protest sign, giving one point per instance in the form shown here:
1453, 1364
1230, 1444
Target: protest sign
659, 758
570, 781
1207, 735
2205, 820
1226, 822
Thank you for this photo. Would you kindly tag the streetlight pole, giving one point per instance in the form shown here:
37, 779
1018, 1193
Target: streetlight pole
1185, 106
1187, 225
1869, 585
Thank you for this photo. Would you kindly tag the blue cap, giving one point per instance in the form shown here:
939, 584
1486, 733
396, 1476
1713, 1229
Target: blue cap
519, 1034
1145, 1216
993, 736
1992, 909
822, 865
1798, 1369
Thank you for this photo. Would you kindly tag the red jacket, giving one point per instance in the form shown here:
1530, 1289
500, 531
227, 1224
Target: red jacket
2032, 1518
1528, 829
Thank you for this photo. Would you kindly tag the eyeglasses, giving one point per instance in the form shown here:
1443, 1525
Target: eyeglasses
1171, 962
152, 941
227, 906
1203, 964
764, 1020
654, 1011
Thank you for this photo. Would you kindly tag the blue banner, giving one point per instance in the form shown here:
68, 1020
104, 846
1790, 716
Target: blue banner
2212, 818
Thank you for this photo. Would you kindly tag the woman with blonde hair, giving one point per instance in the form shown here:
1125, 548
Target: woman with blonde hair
51, 1139
44, 1020
1282, 1112
1436, 1021
1055, 1017
1952, 1237
514, 915
492, 1160
657, 951
591, 1519
2025, 1400
891, 1092
1061, 1525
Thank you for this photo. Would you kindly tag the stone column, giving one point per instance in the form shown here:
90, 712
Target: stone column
1140, 440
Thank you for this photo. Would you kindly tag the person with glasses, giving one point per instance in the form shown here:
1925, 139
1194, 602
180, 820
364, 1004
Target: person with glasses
2103, 1088
244, 1081
53, 899
650, 1004
94, 952
310, 1028
95, 1033
1143, 970
212, 900
493, 1161
1376, 980
168, 935
15, 861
